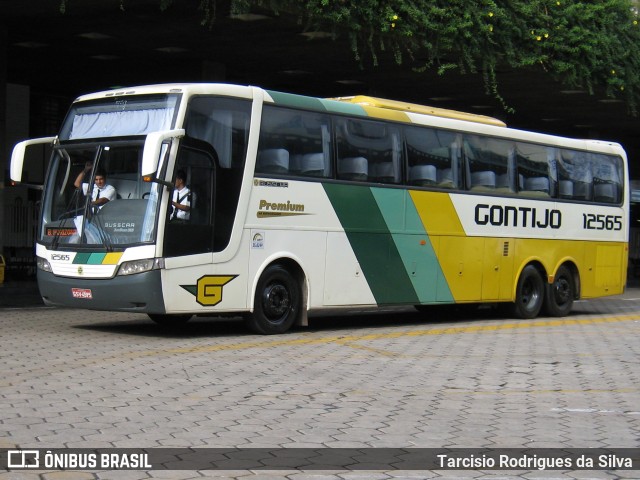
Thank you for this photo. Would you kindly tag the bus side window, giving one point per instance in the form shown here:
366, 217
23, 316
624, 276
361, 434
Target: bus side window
575, 180
431, 157
224, 124
534, 175
368, 151
293, 142
489, 164
607, 173
273, 160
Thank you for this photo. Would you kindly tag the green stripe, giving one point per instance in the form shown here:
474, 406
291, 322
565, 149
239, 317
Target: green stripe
372, 243
81, 258
96, 258
296, 101
344, 107
413, 244
317, 104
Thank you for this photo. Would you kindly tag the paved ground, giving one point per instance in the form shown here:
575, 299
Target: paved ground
81, 379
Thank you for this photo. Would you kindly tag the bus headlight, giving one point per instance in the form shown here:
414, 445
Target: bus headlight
43, 264
139, 266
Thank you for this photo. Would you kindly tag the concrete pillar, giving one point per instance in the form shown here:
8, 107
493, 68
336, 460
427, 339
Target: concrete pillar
5, 156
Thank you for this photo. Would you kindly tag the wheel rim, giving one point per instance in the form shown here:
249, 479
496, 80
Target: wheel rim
276, 302
530, 294
562, 291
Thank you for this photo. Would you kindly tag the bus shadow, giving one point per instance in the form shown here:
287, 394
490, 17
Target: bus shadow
336, 320
195, 328
390, 317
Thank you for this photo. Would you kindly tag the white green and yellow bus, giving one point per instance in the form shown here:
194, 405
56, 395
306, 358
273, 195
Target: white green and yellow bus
301, 204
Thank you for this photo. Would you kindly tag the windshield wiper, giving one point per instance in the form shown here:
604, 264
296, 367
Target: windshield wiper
103, 236
68, 209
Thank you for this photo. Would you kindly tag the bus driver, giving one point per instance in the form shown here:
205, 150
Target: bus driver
181, 199
102, 192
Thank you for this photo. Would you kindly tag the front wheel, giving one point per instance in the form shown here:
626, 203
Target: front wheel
277, 302
560, 294
529, 293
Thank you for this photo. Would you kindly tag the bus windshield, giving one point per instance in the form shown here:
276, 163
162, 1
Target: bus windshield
95, 196
120, 116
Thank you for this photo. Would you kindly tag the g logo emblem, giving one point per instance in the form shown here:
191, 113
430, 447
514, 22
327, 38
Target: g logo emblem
209, 289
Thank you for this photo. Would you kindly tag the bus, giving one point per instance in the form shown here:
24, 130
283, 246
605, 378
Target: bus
301, 204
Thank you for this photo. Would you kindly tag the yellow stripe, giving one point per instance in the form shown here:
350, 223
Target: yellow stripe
394, 115
384, 103
437, 213
112, 258
460, 257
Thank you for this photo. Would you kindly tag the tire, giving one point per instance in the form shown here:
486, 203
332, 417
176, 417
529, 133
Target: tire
169, 320
277, 302
529, 293
560, 294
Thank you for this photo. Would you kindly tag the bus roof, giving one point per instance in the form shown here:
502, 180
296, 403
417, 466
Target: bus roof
369, 103
422, 109
369, 106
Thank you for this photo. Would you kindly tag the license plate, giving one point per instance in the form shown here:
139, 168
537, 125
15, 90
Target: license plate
81, 293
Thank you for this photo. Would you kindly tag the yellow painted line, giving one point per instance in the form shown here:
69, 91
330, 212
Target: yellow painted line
285, 342
377, 351
311, 339
450, 391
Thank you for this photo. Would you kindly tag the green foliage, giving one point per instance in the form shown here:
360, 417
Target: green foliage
592, 45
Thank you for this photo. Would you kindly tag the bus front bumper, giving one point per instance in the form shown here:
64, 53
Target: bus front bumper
141, 292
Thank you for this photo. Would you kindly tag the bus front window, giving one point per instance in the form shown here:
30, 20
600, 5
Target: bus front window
95, 196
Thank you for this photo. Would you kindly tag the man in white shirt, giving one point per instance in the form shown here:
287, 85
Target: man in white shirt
101, 192
181, 199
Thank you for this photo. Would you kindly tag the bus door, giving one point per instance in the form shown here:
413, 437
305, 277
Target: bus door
192, 232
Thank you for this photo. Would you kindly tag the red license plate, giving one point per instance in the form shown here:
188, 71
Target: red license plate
81, 293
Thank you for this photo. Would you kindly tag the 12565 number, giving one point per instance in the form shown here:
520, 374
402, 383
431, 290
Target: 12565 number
591, 221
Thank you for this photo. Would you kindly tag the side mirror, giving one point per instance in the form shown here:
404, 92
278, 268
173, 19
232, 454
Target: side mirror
19, 151
153, 146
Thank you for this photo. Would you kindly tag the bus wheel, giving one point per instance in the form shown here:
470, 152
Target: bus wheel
169, 320
529, 293
558, 300
277, 302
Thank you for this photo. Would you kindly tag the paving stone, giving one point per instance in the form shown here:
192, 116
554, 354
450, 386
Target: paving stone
111, 380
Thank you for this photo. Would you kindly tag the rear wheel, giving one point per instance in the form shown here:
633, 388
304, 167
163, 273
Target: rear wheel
529, 293
560, 294
277, 303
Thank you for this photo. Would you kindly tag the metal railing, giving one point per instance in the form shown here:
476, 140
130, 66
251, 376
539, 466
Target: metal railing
20, 225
